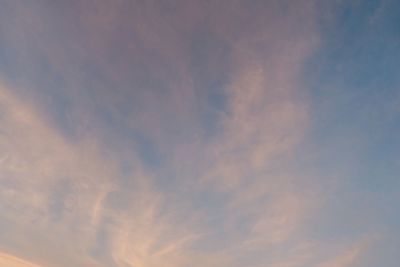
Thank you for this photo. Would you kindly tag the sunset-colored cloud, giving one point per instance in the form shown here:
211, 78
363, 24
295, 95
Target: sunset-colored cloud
349, 257
195, 133
57, 188
12, 261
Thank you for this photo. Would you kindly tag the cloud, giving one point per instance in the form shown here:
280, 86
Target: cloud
12, 261
54, 189
261, 129
49, 186
161, 133
78, 188
349, 257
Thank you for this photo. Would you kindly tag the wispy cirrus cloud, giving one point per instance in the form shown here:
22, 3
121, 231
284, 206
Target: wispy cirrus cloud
53, 189
12, 261
166, 133
350, 256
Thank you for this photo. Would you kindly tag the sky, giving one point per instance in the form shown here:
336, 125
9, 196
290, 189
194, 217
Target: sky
188, 133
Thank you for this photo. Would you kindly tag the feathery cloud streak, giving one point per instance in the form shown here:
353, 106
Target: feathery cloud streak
170, 133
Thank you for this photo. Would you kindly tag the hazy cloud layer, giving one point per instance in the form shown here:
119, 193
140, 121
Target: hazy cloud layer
192, 133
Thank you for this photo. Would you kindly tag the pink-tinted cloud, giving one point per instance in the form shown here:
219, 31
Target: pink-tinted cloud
163, 133
12, 261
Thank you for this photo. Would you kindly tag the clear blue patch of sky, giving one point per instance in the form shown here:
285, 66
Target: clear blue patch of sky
354, 79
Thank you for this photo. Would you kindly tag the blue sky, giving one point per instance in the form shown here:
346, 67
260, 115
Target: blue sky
199, 133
